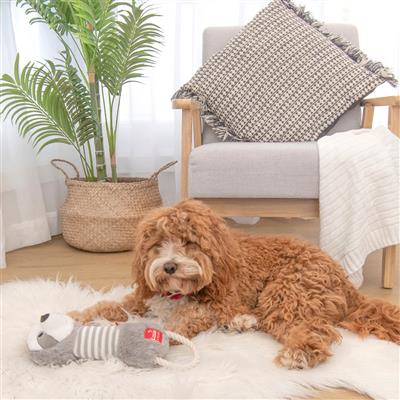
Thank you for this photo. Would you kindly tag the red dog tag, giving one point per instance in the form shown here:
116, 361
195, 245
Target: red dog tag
153, 334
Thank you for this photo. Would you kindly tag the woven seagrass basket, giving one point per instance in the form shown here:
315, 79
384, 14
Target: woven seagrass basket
102, 216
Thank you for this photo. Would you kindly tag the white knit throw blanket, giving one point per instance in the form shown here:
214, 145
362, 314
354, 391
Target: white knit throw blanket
359, 195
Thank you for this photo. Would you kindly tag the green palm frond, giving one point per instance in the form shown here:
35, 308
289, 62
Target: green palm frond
74, 17
127, 43
85, 16
61, 101
77, 99
57, 14
47, 104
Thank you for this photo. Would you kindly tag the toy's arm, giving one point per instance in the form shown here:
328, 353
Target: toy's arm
111, 310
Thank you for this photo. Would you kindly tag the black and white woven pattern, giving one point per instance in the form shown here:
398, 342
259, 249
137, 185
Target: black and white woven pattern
282, 78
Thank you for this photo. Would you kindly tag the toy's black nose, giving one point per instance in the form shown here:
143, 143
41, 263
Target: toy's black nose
44, 317
170, 267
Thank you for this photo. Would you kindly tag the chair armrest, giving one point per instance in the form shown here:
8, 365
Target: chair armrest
393, 104
185, 104
190, 134
192, 107
382, 101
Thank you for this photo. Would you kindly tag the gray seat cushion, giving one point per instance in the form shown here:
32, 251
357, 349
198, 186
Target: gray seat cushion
255, 170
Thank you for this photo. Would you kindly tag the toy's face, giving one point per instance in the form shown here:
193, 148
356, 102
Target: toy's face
53, 328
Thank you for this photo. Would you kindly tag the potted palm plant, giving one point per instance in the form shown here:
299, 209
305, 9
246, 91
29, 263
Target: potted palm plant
75, 100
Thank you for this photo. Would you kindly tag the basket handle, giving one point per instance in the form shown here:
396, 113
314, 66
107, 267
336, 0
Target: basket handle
163, 168
54, 164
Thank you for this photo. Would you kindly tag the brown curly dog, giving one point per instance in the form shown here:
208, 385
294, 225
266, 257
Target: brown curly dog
195, 273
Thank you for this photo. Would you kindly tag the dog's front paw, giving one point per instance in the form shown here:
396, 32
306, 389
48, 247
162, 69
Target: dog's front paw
241, 323
297, 358
292, 359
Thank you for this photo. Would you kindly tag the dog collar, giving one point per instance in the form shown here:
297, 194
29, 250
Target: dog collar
173, 296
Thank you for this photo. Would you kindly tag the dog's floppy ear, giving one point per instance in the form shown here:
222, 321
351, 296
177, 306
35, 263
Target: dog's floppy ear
225, 256
142, 291
140, 249
147, 235
218, 242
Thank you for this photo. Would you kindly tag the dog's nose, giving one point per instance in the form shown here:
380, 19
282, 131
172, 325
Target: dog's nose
44, 317
170, 267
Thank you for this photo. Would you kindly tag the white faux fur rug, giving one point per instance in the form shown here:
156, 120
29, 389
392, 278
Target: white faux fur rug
231, 366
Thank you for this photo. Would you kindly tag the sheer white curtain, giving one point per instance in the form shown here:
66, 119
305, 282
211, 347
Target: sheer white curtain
149, 130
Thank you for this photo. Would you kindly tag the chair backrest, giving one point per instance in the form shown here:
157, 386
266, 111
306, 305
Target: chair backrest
215, 38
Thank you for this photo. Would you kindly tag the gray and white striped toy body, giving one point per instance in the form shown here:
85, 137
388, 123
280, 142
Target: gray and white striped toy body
96, 342
58, 340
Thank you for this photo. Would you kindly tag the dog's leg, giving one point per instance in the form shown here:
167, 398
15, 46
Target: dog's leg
303, 323
111, 310
307, 344
190, 319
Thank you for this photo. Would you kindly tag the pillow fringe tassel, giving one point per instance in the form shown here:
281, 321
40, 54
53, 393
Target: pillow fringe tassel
352, 51
207, 115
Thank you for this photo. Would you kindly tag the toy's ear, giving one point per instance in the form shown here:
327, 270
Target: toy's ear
58, 326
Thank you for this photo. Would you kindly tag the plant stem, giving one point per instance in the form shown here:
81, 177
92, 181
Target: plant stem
112, 140
118, 107
114, 168
113, 157
87, 150
98, 140
90, 158
108, 117
105, 110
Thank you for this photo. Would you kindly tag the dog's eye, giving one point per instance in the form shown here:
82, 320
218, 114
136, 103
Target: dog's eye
40, 334
189, 243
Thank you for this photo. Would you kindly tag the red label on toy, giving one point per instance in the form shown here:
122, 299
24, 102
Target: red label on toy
153, 334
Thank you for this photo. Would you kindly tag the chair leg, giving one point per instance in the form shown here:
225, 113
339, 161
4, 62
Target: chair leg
389, 263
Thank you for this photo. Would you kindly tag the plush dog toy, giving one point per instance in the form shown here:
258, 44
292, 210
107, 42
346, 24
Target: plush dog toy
58, 340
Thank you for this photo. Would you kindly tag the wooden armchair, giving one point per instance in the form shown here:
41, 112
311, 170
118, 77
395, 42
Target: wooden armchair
269, 206
272, 207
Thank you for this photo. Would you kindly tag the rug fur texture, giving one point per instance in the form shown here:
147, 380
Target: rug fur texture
231, 365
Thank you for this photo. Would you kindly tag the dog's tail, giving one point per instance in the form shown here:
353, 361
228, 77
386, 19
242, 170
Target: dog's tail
374, 317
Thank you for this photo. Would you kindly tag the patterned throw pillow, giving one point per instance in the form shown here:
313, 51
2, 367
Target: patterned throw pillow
283, 78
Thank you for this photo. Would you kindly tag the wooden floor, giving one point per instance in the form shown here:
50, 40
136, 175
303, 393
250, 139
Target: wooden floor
55, 259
